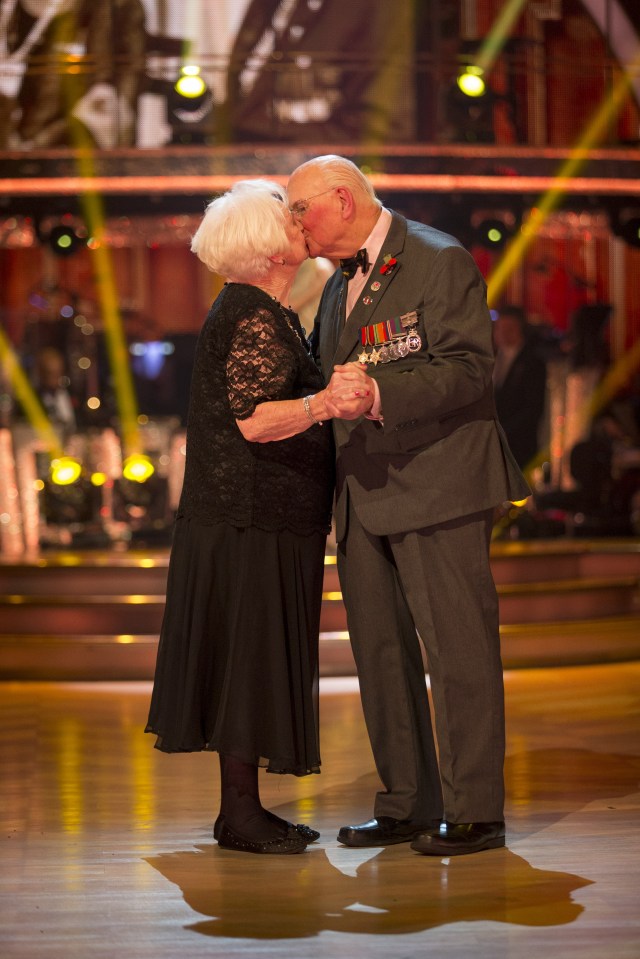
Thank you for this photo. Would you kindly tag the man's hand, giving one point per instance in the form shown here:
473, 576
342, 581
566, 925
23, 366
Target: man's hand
350, 392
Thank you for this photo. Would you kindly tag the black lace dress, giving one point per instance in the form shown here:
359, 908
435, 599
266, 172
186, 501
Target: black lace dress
237, 667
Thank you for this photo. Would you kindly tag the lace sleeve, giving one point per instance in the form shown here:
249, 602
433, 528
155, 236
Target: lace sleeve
260, 366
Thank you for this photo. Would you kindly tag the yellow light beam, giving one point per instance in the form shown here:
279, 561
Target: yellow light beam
494, 41
28, 398
515, 251
102, 263
112, 322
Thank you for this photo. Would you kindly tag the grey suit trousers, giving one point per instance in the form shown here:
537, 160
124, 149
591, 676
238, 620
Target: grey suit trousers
436, 581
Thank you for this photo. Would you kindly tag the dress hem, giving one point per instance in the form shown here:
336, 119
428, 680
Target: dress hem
280, 767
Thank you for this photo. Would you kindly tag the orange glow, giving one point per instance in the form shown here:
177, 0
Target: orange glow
399, 182
549, 201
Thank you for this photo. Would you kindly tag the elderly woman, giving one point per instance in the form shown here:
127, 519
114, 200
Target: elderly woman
237, 667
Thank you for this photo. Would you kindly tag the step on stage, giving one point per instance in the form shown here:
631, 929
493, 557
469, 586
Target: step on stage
106, 848
92, 616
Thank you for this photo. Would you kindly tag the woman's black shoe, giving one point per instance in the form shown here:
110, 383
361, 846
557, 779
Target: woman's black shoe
299, 831
305, 832
228, 838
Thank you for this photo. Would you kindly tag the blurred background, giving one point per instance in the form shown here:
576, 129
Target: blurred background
514, 125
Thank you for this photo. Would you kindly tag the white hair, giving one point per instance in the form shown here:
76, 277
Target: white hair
241, 229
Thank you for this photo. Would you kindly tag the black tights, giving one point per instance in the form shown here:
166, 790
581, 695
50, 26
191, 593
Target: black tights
240, 804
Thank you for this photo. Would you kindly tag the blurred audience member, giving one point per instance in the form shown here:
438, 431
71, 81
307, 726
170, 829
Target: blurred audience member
519, 382
52, 387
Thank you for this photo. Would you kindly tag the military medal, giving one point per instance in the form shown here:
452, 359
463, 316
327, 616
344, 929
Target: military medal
391, 340
409, 322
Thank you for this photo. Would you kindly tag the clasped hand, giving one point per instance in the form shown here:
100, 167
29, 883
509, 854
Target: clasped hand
350, 392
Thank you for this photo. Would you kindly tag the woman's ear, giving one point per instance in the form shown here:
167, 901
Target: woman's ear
279, 260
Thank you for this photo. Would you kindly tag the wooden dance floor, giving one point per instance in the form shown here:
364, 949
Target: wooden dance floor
107, 848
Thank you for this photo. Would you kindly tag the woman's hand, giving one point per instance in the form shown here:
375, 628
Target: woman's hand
350, 392
349, 395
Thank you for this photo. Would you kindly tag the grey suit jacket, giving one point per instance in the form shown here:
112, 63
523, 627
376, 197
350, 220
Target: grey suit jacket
440, 453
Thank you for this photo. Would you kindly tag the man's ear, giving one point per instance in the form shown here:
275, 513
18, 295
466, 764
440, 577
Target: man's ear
346, 201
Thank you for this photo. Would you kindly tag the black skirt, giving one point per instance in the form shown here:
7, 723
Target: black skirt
237, 666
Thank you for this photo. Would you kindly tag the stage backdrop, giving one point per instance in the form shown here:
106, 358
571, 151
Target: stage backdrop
103, 71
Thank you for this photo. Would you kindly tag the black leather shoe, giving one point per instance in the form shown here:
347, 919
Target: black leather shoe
383, 831
458, 839
300, 831
228, 838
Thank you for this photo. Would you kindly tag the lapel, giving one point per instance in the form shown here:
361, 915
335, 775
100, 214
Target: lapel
362, 313
330, 321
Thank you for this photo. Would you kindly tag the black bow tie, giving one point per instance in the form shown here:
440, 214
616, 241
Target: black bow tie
350, 266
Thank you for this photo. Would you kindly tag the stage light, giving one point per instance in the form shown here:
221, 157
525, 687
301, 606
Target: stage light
65, 470
64, 240
469, 107
492, 233
143, 506
471, 81
493, 228
138, 468
74, 503
190, 84
189, 105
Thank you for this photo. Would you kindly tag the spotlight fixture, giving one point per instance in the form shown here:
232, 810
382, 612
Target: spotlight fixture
492, 233
189, 104
493, 230
64, 240
471, 81
469, 105
143, 505
138, 468
65, 470
190, 84
74, 503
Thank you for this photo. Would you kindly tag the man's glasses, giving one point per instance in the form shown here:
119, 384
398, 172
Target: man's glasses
301, 207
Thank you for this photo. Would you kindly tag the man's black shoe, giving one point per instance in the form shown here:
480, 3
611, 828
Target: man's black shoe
457, 839
383, 831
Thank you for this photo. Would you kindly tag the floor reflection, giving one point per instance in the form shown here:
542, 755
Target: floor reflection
394, 891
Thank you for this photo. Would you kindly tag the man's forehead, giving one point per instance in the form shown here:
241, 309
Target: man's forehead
305, 183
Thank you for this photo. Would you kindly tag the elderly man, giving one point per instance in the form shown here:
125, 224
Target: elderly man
421, 464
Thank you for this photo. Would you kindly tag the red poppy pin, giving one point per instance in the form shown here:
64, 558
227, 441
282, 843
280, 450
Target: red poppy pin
389, 263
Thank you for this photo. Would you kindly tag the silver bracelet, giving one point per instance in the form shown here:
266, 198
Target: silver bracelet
306, 402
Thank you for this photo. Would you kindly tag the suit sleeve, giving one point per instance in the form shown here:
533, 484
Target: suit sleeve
453, 369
